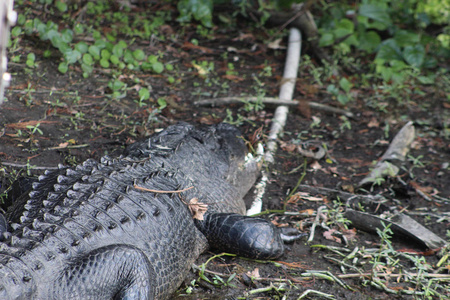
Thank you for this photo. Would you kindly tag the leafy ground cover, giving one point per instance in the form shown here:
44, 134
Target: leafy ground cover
90, 78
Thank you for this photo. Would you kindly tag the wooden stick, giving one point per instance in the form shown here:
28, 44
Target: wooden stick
272, 101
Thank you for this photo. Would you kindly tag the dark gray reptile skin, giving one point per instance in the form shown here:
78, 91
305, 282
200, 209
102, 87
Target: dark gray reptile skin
88, 233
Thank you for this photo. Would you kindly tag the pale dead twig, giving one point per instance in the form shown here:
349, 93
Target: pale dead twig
272, 101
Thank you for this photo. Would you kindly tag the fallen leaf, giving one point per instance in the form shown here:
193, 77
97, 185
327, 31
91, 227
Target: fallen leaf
350, 234
348, 188
188, 45
63, 145
373, 123
254, 273
197, 209
308, 211
287, 146
276, 44
315, 165
329, 236
233, 78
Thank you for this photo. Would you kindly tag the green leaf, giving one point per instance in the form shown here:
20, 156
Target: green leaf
326, 39
87, 69
82, 47
128, 57
414, 55
162, 103
16, 31
144, 94
345, 84
122, 44
105, 54
117, 50
201, 10
114, 59
158, 67
94, 51
50, 35
78, 28
87, 59
152, 59
169, 67
405, 38
139, 54
426, 79
101, 44
31, 57
369, 40
389, 50
110, 38
332, 89
375, 12
343, 99
63, 67
67, 35
47, 53
72, 56
61, 6
104, 63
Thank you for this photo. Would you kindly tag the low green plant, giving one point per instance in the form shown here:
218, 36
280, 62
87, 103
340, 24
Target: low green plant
402, 50
200, 10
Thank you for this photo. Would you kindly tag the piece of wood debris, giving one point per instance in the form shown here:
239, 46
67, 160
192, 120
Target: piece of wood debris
395, 154
273, 101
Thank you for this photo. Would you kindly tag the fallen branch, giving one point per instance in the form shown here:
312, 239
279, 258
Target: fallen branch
396, 153
24, 166
272, 101
280, 115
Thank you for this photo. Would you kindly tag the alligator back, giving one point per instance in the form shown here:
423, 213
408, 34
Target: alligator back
115, 228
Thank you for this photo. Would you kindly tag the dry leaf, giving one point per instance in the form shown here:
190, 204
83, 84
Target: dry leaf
276, 44
373, 123
197, 209
350, 234
315, 165
329, 236
254, 273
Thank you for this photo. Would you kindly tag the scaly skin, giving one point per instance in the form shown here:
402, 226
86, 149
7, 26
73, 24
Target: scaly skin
89, 233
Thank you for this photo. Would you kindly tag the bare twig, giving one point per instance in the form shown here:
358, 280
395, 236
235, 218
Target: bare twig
14, 165
272, 101
161, 192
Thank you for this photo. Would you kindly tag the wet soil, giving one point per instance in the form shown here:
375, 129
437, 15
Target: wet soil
50, 119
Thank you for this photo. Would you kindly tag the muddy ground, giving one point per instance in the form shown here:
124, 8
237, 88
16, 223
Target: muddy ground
51, 118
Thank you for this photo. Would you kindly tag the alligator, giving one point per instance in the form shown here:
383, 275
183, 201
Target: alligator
127, 227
